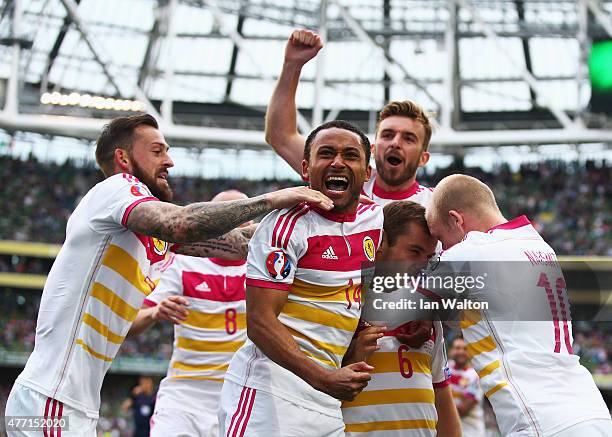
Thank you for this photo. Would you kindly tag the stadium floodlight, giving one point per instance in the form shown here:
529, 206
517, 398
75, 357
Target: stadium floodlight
89, 101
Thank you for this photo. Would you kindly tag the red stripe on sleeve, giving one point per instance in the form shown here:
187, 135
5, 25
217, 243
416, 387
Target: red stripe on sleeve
295, 219
268, 284
287, 220
129, 209
280, 220
441, 384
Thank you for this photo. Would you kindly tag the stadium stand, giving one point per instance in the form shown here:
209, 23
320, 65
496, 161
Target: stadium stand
571, 203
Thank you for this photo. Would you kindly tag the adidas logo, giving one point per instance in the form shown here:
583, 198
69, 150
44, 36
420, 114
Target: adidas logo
203, 286
329, 253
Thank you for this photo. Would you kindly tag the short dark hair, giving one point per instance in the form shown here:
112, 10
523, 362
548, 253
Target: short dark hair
118, 135
455, 338
340, 124
397, 216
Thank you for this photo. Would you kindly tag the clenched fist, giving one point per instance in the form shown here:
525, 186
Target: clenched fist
303, 45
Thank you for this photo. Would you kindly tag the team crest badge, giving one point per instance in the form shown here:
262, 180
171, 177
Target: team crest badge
160, 247
278, 264
369, 248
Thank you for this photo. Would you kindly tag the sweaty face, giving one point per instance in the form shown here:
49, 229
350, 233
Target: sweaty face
399, 149
337, 167
410, 251
458, 352
448, 233
150, 161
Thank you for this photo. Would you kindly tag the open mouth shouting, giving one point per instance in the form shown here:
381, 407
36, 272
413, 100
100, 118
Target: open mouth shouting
336, 184
394, 160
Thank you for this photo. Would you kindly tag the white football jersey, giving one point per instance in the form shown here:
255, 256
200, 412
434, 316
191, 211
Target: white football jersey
465, 384
527, 370
317, 257
93, 292
214, 330
416, 193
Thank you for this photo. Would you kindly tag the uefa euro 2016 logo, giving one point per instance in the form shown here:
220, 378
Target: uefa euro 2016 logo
278, 264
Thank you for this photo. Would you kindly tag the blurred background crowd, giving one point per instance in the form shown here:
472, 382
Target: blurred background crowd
570, 203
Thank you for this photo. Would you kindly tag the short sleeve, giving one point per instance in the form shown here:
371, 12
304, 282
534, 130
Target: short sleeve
112, 201
274, 251
439, 366
170, 283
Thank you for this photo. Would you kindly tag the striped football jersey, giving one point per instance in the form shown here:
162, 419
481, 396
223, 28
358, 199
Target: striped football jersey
399, 399
527, 369
214, 330
93, 292
317, 257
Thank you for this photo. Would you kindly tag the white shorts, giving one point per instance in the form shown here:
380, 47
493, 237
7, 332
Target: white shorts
177, 423
245, 411
24, 401
589, 428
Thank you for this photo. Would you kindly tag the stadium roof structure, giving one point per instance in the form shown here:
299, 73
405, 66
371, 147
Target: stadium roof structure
496, 72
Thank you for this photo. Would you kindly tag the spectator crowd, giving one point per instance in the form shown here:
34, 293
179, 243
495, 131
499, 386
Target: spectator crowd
570, 203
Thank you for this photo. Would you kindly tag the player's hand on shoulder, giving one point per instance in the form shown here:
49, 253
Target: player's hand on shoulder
302, 46
173, 309
348, 381
288, 197
417, 334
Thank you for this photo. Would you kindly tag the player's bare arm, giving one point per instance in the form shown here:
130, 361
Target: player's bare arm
281, 121
272, 337
448, 418
364, 344
232, 246
172, 309
205, 220
465, 406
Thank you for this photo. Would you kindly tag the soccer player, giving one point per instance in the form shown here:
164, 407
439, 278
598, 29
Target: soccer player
409, 393
467, 393
303, 300
204, 297
117, 240
527, 370
403, 131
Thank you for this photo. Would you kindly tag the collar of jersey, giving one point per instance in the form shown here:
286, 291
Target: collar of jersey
515, 223
394, 195
227, 262
335, 217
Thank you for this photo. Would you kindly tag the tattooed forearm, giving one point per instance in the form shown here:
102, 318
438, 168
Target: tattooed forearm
196, 222
233, 245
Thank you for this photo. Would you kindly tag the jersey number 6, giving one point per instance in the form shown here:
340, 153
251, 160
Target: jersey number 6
405, 366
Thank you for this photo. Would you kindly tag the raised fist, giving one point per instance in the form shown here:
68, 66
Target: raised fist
302, 46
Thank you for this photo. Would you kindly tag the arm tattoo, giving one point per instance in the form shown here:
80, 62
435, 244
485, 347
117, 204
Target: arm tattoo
196, 222
233, 245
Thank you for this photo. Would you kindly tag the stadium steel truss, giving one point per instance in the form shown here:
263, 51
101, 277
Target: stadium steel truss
497, 72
